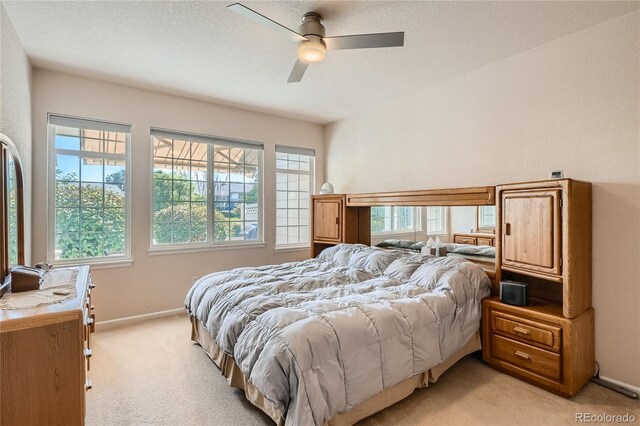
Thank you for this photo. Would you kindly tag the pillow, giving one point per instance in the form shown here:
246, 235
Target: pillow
418, 246
402, 244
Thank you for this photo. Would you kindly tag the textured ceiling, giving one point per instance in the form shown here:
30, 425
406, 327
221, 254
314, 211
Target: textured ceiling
204, 51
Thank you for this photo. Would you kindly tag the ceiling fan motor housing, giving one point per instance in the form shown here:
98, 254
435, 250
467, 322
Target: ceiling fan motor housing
312, 25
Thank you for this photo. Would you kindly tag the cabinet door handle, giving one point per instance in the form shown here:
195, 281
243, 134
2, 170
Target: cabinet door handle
521, 330
522, 355
337, 221
88, 384
87, 353
507, 228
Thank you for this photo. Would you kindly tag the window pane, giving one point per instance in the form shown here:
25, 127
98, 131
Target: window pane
294, 182
487, 217
90, 192
67, 168
189, 176
179, 191
436, 220
381, 219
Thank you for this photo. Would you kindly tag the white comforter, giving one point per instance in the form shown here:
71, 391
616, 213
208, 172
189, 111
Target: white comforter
320, 336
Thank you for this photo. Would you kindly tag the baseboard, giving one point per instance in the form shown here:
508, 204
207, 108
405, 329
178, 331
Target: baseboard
636, 389
119, 322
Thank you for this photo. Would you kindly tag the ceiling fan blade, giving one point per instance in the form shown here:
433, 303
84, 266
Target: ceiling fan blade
263, 20
365, 41
297, 72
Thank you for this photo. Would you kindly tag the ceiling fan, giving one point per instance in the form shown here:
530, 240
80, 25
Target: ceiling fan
312, 44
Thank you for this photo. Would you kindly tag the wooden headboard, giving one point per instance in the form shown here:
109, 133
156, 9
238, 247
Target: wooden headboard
474, 196
351, 221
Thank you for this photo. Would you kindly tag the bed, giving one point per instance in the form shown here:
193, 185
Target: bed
334, 339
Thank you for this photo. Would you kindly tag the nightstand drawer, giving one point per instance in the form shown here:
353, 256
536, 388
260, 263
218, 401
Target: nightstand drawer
525, 356
527, 331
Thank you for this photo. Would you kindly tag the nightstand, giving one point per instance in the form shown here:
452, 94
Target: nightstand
539, 345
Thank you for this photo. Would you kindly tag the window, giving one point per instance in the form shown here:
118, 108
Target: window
436, 220
486, 217
294, 185
89, 209
395, 219
206, 190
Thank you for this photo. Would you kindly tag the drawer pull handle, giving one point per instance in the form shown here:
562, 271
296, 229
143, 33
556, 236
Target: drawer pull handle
89, 321
522, 355
92, 285
521, 330
87, 353
88, 384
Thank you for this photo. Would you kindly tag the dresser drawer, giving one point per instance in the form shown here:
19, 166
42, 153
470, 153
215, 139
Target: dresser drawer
525, 356
464, 240
532, 332
485, 241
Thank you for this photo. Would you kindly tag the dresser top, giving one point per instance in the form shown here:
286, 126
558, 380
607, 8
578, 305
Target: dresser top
56, 311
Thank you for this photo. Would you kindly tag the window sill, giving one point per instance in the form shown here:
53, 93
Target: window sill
96, 264
161, 251
287, 249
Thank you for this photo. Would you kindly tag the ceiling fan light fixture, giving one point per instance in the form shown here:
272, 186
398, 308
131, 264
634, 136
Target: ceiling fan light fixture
312, 50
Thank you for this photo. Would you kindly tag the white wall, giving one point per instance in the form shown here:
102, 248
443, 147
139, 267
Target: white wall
572, 104
462, 219
157, 283
15, 107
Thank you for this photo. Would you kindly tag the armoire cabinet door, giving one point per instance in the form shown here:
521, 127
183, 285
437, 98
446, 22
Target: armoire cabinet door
531, 231
327, 219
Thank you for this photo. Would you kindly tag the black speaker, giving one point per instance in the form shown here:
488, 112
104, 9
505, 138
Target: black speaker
514, 293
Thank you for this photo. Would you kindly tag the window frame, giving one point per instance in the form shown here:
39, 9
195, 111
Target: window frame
445, 221
126, 258
210, 244
485, 228
312, 184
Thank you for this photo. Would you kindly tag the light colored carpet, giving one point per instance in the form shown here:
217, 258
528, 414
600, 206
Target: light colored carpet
152, 374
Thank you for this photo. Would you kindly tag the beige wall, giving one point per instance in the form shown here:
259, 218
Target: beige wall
15, 106
572, 104
157, 283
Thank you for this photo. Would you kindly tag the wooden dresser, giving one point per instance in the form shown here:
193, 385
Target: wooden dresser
45, 354
334, 223
544, 239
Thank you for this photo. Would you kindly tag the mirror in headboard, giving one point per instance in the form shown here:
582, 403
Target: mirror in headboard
433, 216
11, 208
465, 231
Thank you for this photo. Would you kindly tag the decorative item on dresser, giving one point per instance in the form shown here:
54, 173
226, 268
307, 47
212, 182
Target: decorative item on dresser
544, 239
474, 238
334, 223
45, 352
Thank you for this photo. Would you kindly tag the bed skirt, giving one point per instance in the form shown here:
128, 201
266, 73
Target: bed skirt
379, 402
